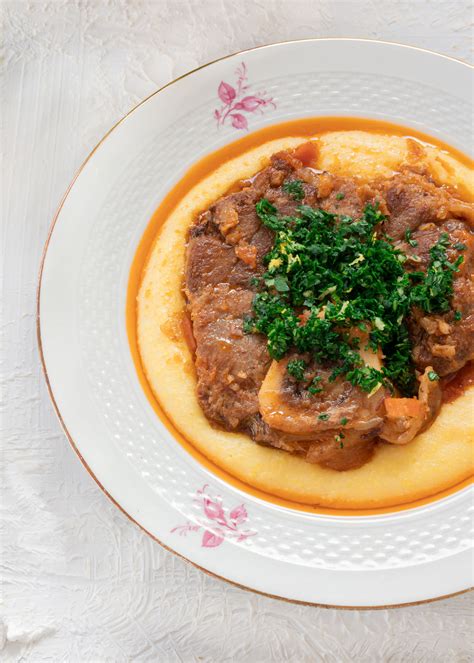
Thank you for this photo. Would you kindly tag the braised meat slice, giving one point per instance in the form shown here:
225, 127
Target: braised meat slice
337, 421
412, 200
230, 365
288, 405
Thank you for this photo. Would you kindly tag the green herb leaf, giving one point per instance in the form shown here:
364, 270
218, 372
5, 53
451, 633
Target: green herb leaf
294, 188
410, 241
296, 369
281, 283
313, 387
268, 215
264, 207
435, 290
433, 376
248, 325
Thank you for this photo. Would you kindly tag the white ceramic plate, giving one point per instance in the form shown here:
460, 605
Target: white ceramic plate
409, 556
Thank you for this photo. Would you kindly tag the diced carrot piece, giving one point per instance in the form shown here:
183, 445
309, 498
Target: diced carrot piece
304, 317
307, 153
247, 253
403, 407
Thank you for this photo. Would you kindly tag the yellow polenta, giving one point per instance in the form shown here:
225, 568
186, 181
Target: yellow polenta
434, 461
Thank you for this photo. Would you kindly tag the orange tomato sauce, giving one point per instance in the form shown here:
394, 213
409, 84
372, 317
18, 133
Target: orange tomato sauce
306, 127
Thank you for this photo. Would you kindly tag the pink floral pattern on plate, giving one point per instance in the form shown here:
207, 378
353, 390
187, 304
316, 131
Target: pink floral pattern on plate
237, 102
217, 525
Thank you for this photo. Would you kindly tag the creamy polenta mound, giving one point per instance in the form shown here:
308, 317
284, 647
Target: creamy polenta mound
390, 473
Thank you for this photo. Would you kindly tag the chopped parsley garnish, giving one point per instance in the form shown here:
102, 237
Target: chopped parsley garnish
268, 214
313, 387
459, 246
255, 281
248, 325
296, 369
294, 188
409, 240
344, 421
432, 376
323, 417
434, 292
340, 196
336, 285
457, 315
281, 283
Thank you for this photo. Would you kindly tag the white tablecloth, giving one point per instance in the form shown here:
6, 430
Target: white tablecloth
80, 581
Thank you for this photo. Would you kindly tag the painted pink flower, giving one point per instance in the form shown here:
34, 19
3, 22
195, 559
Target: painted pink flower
238, 515
226, 93
213, 510
182, 530
212, 539
249, 104
239, 121
237, 99
229, 526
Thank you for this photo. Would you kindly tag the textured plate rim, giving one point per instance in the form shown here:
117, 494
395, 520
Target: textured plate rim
40, 343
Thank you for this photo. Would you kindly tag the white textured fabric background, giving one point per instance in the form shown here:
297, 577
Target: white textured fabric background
79, 581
